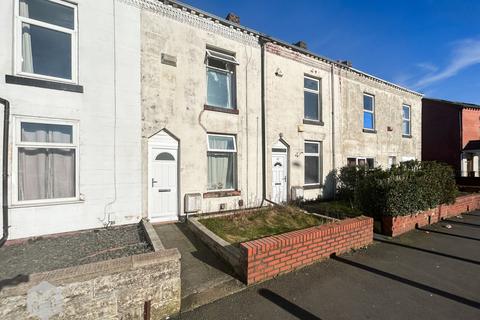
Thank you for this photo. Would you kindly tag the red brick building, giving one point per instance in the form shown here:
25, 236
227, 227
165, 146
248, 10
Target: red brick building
451, 134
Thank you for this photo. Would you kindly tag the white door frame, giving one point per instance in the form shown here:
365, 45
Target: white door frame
281, 144
162, 140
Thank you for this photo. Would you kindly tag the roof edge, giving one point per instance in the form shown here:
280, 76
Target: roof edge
286, 44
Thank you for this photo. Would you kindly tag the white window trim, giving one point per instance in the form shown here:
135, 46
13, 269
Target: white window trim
313, 155
18, 144
361, 158
372, 111
407, 119
18, 42
224, 151
318, 97
229, 59
225, 57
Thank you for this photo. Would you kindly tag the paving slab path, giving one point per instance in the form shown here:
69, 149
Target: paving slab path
205, 277
432, 273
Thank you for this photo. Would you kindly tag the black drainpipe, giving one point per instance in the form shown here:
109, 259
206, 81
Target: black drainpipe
6, 117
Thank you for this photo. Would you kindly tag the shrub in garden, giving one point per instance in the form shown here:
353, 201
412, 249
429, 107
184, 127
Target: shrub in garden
401, 190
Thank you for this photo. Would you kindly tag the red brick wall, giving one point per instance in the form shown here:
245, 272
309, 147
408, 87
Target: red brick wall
267, 257
394, 226
441, 132
470, 125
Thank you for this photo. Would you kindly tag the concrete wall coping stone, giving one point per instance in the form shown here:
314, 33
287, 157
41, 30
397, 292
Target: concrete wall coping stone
92, 270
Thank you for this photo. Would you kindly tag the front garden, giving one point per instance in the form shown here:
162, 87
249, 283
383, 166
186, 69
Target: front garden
258, 223
262, 243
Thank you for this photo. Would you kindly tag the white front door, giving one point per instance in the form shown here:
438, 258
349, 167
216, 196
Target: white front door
279, 177
163, 184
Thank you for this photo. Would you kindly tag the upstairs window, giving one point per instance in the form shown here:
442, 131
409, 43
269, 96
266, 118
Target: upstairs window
406, 120
312, 163
311, 98
221, 80
368, 112
222, 162
46, 164
46, 39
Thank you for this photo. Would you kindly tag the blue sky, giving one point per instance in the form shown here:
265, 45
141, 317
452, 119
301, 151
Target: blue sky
432, 46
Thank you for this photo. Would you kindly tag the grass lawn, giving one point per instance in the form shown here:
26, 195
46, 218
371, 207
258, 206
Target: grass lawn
259, 223
335, 209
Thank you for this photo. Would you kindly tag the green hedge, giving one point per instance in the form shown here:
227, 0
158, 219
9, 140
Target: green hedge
410, 187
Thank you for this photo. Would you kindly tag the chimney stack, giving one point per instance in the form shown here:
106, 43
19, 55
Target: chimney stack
301, 44
347, 63
233, 18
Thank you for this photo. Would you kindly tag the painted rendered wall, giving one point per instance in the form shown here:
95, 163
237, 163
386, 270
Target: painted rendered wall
285, 96
353, 142
285, 113
95, 111
173, 98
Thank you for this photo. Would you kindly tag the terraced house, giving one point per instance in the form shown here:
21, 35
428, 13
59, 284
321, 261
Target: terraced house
141, 108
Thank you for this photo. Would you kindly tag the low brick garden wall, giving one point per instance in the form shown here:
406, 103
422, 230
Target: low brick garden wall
395, 226
268, 257
262, 259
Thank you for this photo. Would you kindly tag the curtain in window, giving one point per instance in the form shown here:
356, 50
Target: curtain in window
27, 62
220, 170
49, 133
219, 90
45, 173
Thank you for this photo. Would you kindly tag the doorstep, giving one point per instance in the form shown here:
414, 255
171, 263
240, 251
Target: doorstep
205, 277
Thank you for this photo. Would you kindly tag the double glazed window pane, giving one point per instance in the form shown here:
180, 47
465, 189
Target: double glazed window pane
46, 52
406, 127
368, 103
312, 169
219, 88
367, 120
221, 170
46, 132
45, 173
221, 143
49, 12
310, 84
311, 105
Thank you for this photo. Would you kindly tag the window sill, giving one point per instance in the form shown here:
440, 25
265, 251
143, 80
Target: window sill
313, 122
369, 130
221, 194
220, 109
312, 186
408, 136
44, 204
47, 84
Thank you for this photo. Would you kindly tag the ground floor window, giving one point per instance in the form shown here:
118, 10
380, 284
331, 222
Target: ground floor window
222, 162
312, 162
361, 161
46, 160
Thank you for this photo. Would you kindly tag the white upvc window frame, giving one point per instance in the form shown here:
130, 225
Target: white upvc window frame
18, 42
362, 158
317, 92
409, 119
234, 150
368, 111
228, 59
19, 144
318, 155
